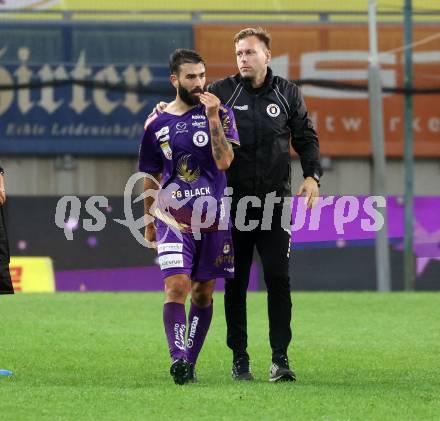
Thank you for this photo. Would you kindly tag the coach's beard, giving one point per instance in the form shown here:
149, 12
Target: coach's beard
247, 78
187, 97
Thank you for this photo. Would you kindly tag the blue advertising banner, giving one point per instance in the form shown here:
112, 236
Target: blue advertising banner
89, 109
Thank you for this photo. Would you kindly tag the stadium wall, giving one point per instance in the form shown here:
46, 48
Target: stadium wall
88, 90
336, 256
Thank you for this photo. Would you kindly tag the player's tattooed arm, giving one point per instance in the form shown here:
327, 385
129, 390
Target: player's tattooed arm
221, 149
151, 188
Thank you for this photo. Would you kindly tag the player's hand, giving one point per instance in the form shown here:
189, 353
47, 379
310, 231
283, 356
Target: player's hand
150, 234
160, 106
211, 103
2, 191
311, 191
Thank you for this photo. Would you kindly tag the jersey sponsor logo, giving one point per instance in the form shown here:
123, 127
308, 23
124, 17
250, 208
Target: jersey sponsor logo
200, 138
273, 110
162, 132
181, 127
165, 138
192, 332
168, 261
167, 247
185, 172
241, 107
179, 336
199, 124
198, 117
166, 149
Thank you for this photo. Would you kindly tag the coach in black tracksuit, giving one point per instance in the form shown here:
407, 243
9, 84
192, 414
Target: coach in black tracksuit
269, 111
5, 277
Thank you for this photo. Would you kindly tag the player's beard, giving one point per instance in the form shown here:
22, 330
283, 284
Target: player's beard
188, 97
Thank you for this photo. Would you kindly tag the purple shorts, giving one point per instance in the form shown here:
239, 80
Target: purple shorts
210, 257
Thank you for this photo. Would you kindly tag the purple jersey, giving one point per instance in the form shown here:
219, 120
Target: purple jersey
179, 147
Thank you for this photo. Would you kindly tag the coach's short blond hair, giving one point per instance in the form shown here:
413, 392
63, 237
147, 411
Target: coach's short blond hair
260, 33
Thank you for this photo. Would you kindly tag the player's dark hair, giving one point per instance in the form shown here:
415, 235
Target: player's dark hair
260, 33
182, 56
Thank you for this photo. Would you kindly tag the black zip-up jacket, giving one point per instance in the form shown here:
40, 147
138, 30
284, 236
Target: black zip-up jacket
266, 118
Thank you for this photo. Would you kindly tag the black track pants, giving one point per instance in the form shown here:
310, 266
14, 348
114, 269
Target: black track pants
273, 247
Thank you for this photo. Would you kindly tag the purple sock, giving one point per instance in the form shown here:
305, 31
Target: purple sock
174, 320
199, 321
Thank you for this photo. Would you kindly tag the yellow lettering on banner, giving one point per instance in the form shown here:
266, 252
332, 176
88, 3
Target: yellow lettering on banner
32, 274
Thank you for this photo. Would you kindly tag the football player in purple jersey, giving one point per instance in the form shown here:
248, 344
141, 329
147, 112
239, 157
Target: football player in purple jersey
185, 151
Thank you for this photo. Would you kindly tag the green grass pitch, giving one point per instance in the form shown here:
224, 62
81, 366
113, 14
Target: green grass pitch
358, 356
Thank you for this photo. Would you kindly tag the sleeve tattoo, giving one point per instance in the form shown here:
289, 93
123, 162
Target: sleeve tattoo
219, 142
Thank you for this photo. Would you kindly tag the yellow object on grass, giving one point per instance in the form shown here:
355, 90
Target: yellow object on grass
32, 274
